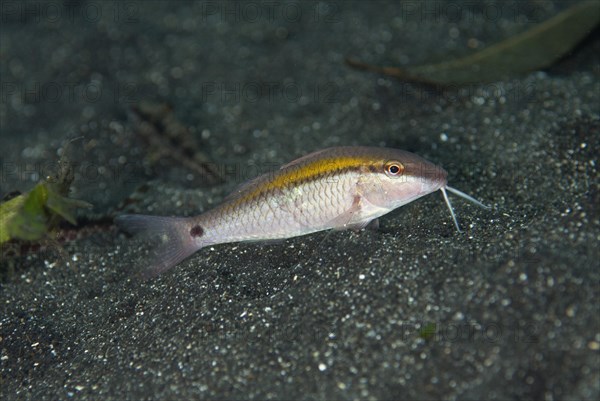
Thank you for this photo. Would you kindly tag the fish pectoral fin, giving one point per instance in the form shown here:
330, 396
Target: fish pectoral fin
351, 218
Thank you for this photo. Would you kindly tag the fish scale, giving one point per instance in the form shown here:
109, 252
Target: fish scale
281, 213
335, 188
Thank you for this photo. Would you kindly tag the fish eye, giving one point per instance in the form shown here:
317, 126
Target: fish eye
393, 168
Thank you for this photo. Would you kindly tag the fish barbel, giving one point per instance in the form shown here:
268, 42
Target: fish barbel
334, 188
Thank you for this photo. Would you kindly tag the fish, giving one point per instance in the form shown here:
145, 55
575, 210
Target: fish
347, 187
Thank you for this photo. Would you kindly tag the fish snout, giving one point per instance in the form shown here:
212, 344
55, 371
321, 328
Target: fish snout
430, 176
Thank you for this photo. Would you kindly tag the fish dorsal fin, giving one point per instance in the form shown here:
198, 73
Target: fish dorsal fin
246, 186
322, 159
253, 182
306, 158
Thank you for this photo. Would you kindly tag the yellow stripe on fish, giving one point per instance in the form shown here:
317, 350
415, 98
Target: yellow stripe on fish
296, 173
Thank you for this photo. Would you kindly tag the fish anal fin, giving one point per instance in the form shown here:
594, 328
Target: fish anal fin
373, 225
361, 225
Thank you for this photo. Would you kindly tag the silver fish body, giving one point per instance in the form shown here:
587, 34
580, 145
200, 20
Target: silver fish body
335, 188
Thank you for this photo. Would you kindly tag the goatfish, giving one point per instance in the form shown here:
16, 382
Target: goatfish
334, 188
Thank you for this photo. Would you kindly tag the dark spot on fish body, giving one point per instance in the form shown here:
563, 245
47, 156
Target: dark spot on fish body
196, 231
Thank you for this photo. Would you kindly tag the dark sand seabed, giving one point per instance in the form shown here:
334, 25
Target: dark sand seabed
507, 309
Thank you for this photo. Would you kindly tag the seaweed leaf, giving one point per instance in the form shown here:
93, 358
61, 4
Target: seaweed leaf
536, 48
32, 215
14, 213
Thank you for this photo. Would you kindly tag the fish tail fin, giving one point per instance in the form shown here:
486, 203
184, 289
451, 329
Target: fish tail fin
169, 240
